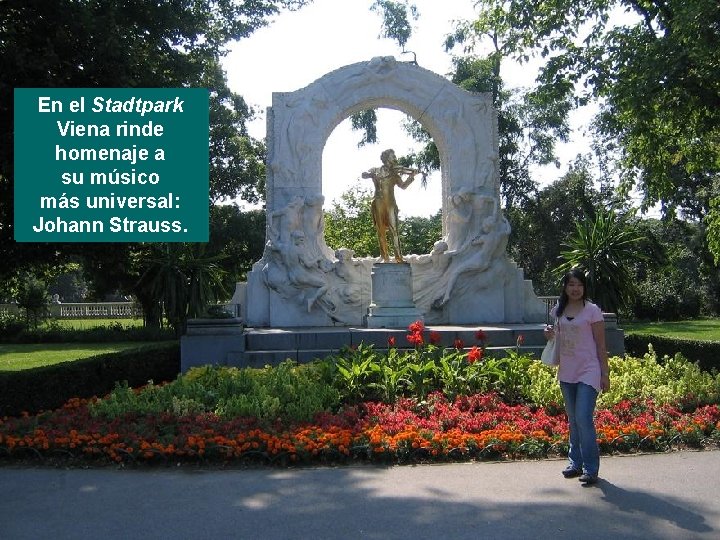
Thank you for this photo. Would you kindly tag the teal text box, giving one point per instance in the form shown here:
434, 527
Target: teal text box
111, 165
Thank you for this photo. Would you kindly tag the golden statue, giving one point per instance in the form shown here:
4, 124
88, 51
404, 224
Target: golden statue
384, 207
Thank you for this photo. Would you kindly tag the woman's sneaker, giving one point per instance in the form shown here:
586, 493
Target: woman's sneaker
588, 478
571, 472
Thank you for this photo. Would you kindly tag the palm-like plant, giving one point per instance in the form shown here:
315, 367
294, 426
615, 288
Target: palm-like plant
606, 248
183, 280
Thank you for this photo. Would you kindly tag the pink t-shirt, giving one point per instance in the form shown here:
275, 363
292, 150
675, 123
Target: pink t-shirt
579, 360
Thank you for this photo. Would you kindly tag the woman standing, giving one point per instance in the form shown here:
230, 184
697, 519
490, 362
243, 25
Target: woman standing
583, 371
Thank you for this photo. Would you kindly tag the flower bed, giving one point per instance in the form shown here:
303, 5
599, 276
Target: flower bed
467, 428
426, 404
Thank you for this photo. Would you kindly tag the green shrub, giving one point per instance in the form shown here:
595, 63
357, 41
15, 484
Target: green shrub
287, 393
53, 332
670, 381
11, 326
544, 388
705, 353
673, 380
49, 387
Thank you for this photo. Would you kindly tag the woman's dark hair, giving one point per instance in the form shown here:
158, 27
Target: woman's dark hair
578, 274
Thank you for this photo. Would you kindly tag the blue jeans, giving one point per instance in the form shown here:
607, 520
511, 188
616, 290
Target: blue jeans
580, 401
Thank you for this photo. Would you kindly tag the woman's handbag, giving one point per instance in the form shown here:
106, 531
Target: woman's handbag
550, 353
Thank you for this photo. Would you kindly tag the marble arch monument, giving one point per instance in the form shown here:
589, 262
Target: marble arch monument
466, 279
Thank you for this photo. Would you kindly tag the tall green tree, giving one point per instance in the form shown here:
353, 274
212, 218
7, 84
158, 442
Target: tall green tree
544, 221
418, 233
653, 72
127, 43
528, 126
673, 283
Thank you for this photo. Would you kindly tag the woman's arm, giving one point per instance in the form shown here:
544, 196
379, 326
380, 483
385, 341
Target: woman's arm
598, 330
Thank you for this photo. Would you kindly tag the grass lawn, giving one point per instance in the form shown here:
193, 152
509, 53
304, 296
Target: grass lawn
700, 329
16, 357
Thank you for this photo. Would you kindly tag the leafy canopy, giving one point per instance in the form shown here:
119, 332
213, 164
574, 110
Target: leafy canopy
652, 66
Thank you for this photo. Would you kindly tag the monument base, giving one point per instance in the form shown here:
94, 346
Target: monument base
392, 317
391, 297
211, 341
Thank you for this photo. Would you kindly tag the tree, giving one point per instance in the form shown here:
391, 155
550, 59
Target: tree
130, 43
396, 19
542, 222
674, 282
605, 248
238, 235
349, 223
654, 76
527, 125
33, 297
418, 234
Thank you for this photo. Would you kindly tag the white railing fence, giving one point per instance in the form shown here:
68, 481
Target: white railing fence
84, 310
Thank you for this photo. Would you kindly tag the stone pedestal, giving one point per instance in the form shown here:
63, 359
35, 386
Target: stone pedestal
391, 297
211, 341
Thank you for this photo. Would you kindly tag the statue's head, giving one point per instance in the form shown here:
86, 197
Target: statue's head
388, 156
440, 246
298, 237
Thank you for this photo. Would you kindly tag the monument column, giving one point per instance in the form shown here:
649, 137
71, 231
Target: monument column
391, 297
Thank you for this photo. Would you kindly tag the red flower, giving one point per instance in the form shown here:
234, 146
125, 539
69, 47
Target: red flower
520, 340
416, 327
435, 337
416, 338
480, 335
391, 341
475, 354
458, 343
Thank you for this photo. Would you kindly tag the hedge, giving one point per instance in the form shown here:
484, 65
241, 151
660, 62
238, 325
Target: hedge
705, 353
49, 387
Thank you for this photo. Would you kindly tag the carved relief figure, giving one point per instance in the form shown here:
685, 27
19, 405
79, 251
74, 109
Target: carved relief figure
304, 271
460, 213
488, 247
384, 207
350, 274
284, 221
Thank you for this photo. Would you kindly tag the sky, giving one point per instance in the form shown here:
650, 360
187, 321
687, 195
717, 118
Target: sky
300, 47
